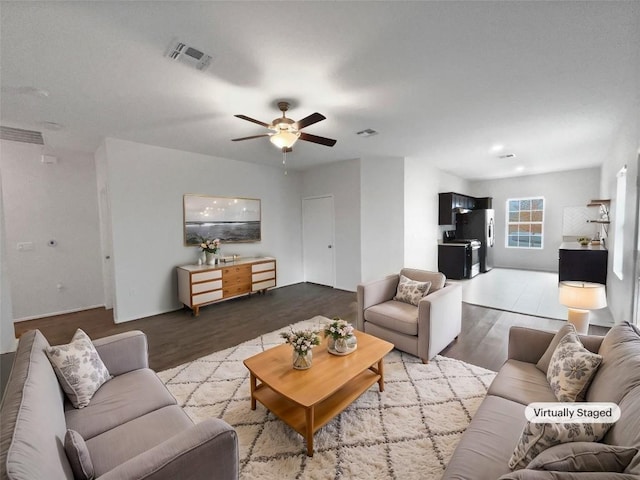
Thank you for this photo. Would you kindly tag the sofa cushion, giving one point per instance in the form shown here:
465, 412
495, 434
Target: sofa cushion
521, 382
116, 446
437, 279
626, 431
411, 291
584, 457
619, 372
548, 475
78, 455
488, 441
78, 368
120, 400
537, 437
543, 363
32, 416
571, 369
397, 316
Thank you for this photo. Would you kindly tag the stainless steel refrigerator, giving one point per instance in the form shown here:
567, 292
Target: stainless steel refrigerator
479, 224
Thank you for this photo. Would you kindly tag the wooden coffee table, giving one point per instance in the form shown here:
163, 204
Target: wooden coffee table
306, 400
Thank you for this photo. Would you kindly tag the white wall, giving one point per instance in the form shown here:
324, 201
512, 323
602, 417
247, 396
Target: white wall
422, 184
342, 180
146, 187
382, 216
44, 202
561, 189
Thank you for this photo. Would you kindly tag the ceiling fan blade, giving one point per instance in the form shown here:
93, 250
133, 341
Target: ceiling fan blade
310, 120
329, 142
249, 119
249, 138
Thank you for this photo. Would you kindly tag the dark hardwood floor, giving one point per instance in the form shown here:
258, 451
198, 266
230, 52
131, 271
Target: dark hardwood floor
178, 337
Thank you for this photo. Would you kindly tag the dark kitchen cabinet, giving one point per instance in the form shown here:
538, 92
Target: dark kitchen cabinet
586, 264
449, 202
484, 203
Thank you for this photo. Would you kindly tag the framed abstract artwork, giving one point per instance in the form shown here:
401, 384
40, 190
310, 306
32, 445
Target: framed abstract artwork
231, 219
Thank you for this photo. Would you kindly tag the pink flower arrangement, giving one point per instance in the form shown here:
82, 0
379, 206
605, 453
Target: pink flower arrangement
302, 340
338, 329
210, 246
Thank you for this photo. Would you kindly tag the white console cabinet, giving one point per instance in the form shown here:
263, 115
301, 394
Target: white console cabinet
200, 285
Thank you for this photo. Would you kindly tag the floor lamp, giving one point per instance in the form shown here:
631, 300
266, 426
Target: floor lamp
581, 297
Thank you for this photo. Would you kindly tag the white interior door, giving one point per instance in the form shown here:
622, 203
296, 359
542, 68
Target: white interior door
317, 240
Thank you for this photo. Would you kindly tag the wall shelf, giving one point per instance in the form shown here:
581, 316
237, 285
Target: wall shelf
603, 205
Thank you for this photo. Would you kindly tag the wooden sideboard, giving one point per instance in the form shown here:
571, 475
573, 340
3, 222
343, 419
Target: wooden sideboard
200, 285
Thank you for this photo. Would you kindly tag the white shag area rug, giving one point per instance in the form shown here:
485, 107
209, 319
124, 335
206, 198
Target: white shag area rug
409, 431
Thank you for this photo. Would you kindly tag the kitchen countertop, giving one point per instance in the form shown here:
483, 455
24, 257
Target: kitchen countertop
577, 246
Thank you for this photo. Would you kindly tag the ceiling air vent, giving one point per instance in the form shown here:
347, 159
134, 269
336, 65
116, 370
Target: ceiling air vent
19, 135
367, 133
183, 53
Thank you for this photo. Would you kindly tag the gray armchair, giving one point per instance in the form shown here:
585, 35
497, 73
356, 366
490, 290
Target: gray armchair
423, 331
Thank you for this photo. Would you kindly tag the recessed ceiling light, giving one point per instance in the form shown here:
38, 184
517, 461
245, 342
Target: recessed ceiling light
520, 168
367, 133
498, 147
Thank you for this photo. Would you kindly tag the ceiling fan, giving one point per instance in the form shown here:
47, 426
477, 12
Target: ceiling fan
286, 132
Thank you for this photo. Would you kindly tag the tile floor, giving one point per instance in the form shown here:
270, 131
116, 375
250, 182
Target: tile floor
523, 291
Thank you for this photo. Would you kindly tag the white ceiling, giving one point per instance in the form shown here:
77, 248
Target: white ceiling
441, 81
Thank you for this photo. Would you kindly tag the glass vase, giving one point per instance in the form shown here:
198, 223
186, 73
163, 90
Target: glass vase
341, 345
302, 361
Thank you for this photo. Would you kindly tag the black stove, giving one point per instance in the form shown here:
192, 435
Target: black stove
458, 258
473, 242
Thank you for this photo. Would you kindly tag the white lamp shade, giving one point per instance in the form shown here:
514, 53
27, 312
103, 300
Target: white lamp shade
583, 295
284, 139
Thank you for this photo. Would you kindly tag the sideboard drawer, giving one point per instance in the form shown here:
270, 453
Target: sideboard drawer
230, 280
207, 297
257, 277
204, 276
236, 290
238, 270
261, 267
262, 285
206, 286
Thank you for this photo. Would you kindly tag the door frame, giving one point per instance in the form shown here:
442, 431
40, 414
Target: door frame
106, 247
333, 236
635, 314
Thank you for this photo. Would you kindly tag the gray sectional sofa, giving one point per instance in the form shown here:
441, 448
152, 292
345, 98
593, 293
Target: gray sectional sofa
490, 439
132, 427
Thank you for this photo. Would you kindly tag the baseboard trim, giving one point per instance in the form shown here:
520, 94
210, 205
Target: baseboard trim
53, 314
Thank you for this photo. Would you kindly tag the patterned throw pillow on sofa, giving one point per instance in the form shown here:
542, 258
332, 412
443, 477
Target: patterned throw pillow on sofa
537, 437
571, 369
410, 291
79, 368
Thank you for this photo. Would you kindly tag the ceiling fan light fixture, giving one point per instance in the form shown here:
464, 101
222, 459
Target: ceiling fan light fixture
284, 139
